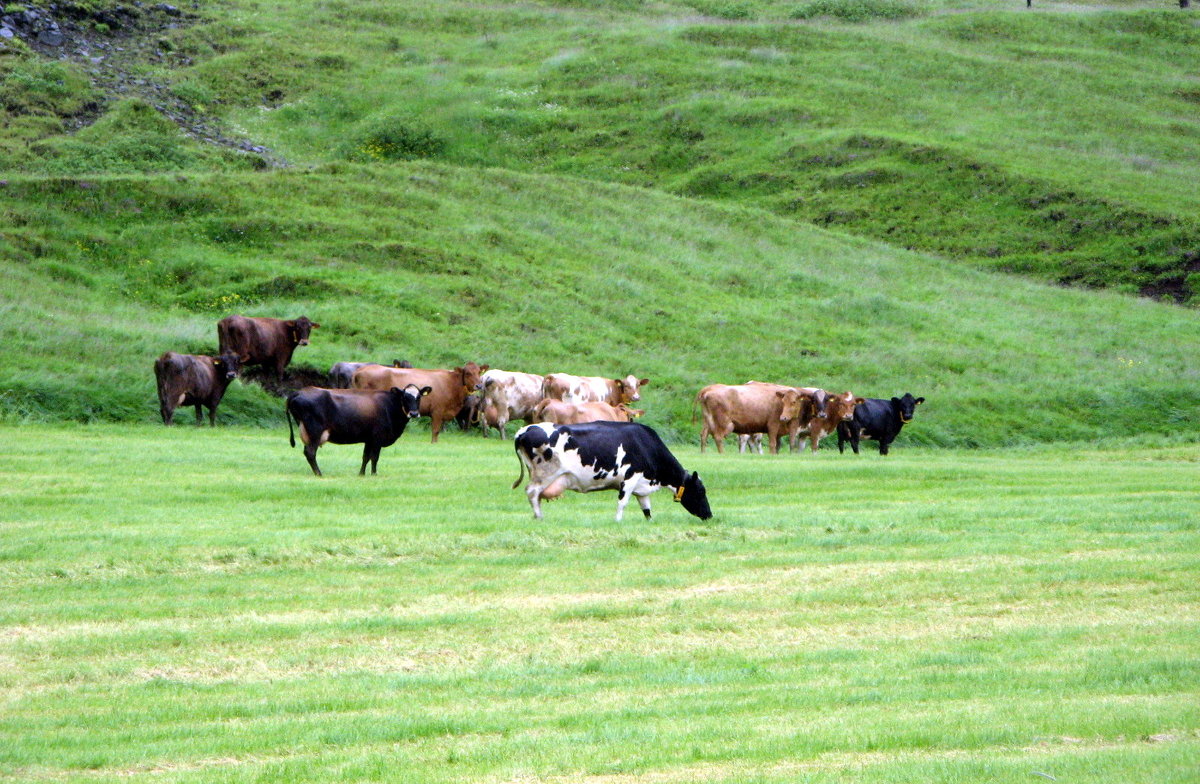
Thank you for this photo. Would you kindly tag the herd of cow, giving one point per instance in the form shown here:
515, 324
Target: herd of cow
579, 434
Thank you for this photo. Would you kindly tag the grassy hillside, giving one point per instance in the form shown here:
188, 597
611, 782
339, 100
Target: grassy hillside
440, 265
1056, 142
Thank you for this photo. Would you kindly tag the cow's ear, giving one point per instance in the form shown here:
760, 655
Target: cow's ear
216, 361
895, 401
643, 382
920, 400
779, 393
425, 391
858, 401
484, 368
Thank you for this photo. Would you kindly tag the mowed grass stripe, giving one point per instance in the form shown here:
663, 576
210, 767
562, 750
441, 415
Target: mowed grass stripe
935, 614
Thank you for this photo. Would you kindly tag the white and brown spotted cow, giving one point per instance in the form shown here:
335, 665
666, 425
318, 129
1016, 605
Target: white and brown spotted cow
507, 395
593, 389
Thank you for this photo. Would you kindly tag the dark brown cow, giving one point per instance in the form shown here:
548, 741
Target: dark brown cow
193, 380
268, 342
593, 389
838, 409
753, 408
450, 387
373, 418
560, 412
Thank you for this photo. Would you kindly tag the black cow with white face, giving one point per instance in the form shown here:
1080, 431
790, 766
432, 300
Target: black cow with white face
878, 419
624, 456
373, 418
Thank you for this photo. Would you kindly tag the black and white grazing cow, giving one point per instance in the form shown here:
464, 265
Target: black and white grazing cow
878, 419
373, 418
624, 456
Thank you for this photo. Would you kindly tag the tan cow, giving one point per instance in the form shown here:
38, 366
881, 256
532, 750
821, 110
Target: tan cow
838, 409
449, 388
593, 389
560, 412
753, 408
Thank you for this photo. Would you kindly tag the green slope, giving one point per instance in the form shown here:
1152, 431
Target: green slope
1057, 142
440, 264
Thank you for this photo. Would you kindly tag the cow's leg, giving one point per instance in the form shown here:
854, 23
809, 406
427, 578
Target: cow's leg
366, 459
167, 411
622, 499
375, 459
200, 414
212, 416
436, 427
773, 437
884, 443
644, 502
533, 492
310, 454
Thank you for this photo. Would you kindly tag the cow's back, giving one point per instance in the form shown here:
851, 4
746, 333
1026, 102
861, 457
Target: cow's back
446, 385
192, 373
517, 392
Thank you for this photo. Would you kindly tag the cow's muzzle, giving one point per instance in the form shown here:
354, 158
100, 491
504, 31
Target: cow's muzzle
303, 341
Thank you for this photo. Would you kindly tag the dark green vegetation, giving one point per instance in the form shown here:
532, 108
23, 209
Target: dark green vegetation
936, 616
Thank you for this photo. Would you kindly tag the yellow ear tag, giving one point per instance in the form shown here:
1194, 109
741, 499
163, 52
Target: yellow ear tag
679, 493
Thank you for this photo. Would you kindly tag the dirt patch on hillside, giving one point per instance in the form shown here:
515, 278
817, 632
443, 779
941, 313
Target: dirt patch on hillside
120, 48
294, 378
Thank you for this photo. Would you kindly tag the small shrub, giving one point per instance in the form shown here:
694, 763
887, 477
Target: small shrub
394, 139
723, 9
856, 10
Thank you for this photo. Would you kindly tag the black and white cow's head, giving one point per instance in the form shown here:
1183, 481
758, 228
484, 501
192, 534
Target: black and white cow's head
694, 498
408, 399
906, 406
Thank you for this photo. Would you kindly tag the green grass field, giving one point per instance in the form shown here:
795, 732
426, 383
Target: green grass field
192, 605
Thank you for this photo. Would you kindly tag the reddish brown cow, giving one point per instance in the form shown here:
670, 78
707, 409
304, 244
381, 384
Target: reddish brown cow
593, 389
449, 387
269, 342
753, 408
560, 412
193, 380
838, 409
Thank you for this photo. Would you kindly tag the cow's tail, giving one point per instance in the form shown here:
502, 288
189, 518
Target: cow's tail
521, 476
696, 401
287, 412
